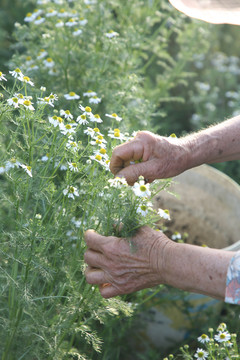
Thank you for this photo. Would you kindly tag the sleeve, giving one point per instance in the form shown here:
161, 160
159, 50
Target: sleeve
232, 293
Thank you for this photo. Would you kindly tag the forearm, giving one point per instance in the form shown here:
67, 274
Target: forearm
196, 269
214, 144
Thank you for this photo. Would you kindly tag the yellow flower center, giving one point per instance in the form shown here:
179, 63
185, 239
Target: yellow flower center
222, 336
143, 188
28, 58
103, 151
83, 117
13, 160
72, 93
107, 161
59, 119
0, 73
97, 116
17, 70
98, 141
96, 130
51, 97
27, 102
29, 14
74, 165
71, 189
114, 115
68, 126
49, 59
15, 100
26, 78
46, 99
62, 10
98, 157
67, 112
116, 134
88, 109
100, 137
20, 96
29, 168
143, 207
73, 144
116, 130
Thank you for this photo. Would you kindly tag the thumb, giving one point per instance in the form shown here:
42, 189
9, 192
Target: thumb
132, 172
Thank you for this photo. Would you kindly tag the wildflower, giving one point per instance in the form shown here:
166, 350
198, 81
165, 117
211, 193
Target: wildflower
28, 105
142, 210
46, 100
17, 74
222, 336
63, 13
164, 214
55, 120
27, 80
39, 20
71, 22
14, 101
77, 32
118, 182
111, 34
2, 76
82, 120
72, 145
176, 236
67, 129
42, 54
94, 133
12, 163
90, 93
141, 189
71, 192
51, 13
2, 169
72, 96
45, 158
28, 169
114, 116
49, 63
29, 17
222, 327
42, 88
116, 134
86, 110
59, 24
83, 21
73, 166
96, 118
95, 100
203, 339
201, 354
66, 113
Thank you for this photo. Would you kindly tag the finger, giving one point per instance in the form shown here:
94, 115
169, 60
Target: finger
107, 291
131, 173
94, 240
94, 259
95, 276
122, 154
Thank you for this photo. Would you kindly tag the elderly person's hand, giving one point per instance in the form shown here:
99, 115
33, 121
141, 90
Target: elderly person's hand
160, 157
121, 266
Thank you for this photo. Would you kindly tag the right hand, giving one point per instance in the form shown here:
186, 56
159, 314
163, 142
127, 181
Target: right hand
161, 157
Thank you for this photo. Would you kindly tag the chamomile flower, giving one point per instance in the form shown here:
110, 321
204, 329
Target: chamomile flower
49, 63
17, 74
73, 166
222, 336
141, 189
55, 120
222, 327
77, 32
2, 76
203, 339
95, 100
28, 169
42, 54
176, 236
29, 17
118, 182
14, 101
94, 133
71, 22
2, 170
68, 129
72, 146
82, 120
63, 13
27, 80
86, 110
143, 209
72, 96
51, 12
114, 116
46, 101
90, 93
71, 192
59, 24
39, 20
95, 118
116, 134
98, 158
111, 34
201, 354
164, 214
66, 114
12, 163
28, 105
83, 21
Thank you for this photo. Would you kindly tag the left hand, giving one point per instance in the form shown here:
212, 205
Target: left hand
121, 266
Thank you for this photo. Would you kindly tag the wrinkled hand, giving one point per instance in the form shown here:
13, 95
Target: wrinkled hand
121, 266
161, 157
